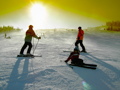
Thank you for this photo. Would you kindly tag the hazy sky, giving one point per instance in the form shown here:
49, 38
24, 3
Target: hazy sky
58, 13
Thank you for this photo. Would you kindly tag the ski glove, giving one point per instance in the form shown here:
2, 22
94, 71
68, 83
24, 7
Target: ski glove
39, 37
66, 61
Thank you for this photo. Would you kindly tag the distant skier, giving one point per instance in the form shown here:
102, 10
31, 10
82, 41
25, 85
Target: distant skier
80, 37
7, 37
28, 38
74, 57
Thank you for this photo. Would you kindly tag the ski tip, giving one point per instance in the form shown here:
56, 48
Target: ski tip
67, 51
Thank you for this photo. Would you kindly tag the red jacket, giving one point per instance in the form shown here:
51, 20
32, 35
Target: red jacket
80, 35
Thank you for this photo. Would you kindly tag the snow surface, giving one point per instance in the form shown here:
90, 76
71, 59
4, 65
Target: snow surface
49, 72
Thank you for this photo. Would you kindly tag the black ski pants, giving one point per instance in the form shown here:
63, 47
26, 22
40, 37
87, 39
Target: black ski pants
77, 61
81, 44
29, 44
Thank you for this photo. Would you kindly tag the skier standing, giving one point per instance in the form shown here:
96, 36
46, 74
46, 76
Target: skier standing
80, 37
28, 38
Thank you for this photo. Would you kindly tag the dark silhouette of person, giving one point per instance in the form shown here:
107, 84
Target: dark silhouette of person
28, 38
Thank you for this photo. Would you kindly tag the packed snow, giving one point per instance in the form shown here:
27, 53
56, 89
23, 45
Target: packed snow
49, 72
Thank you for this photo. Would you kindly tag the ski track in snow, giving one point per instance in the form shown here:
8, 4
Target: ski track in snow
49, 72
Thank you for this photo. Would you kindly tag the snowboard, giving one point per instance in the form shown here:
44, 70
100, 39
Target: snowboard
29, 55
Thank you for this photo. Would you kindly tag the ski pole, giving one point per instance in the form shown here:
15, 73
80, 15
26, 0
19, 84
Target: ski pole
70, 46
35, 46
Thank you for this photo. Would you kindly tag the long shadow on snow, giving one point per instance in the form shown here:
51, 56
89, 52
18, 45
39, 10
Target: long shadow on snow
17, 81
98, 80
94, 80
100, 62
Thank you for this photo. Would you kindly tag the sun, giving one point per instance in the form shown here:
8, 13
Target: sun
38, 14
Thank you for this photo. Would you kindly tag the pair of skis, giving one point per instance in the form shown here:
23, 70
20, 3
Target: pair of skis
32, 56
89, 66
72, 51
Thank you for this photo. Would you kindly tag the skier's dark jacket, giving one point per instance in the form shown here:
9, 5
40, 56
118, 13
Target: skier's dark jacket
73, 56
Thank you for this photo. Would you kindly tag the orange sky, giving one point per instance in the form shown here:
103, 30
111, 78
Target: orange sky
85, 10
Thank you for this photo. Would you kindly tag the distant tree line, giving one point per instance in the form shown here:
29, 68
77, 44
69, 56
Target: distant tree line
113, 25
8, 29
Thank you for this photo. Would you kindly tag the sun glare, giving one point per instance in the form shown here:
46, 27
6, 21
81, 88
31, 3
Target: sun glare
38, 14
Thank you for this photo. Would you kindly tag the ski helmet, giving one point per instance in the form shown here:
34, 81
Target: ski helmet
76, 49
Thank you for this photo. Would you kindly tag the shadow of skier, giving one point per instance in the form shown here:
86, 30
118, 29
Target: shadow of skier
103, 80
104, 64
17, 81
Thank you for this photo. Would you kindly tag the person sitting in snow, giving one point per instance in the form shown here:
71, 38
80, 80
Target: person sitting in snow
74, 57
28, 38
